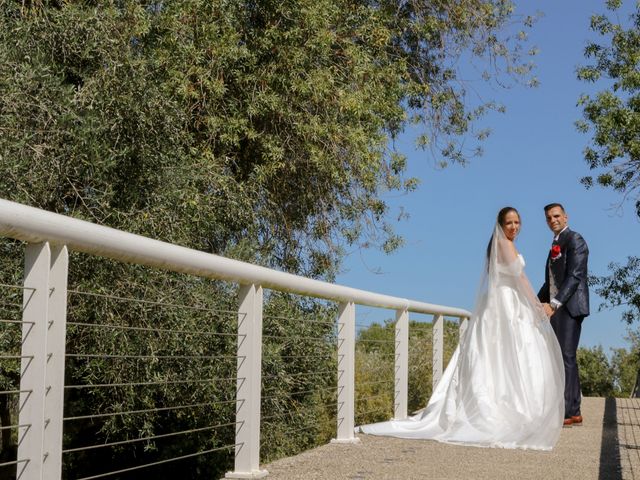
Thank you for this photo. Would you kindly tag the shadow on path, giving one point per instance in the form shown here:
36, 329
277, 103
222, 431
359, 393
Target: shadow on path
610, 468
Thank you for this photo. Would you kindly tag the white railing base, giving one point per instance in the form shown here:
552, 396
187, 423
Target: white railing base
253, 474
353, 440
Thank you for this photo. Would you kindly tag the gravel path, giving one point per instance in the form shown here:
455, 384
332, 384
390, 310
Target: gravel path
606, 447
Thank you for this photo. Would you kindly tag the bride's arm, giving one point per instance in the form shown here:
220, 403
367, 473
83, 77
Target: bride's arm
516, 268
508, 258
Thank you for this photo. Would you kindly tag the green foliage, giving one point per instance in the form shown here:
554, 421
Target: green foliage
375, 373
299, 369
159, 354
375, 367
207, 123
604, 377
10, 310
626, 364
613, 115
625, 367
596, 375
621, 288
255, 130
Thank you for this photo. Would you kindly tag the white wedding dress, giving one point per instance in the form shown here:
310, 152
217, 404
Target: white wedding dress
504, 384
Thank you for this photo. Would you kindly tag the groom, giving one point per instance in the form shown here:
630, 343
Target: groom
565, 297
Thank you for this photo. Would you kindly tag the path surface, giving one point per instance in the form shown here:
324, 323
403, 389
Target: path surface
606, 447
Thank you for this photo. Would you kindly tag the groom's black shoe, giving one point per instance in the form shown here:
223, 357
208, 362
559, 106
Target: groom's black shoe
576, 420
567, 422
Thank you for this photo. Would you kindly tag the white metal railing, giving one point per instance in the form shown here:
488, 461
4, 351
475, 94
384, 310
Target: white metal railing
11, 323
129, 335
50, 236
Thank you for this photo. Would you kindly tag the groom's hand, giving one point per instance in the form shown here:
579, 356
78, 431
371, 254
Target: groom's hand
548, 309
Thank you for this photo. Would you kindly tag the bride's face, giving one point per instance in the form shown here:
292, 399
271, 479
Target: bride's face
511, 225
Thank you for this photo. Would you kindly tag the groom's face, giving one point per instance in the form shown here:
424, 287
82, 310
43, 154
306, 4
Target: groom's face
556, 219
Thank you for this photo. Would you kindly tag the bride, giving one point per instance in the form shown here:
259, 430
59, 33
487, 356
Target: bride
504, 385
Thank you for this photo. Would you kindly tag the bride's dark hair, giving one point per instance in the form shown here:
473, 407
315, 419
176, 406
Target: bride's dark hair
502, 215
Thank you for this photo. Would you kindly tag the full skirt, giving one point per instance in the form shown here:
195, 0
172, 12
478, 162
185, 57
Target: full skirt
503, 387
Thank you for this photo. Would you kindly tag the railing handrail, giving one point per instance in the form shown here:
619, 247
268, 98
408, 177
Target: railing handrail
34, 225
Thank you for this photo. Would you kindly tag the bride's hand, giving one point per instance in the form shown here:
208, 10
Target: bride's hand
548, 310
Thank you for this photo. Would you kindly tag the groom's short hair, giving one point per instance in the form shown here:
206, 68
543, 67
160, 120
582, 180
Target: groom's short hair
553, 205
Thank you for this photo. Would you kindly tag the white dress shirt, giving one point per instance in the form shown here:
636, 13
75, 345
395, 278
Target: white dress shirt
555, 303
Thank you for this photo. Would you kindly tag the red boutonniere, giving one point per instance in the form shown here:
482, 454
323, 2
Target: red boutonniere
555, 252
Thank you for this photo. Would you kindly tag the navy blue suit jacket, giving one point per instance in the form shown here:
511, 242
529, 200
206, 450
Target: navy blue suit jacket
569, 272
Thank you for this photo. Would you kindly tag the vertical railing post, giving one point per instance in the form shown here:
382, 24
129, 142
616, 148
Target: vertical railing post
248, 389
54, 373
346, 373
438, 348
401, 365
462, 328
33, 363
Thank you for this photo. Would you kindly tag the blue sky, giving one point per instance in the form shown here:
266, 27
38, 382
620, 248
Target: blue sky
533, 157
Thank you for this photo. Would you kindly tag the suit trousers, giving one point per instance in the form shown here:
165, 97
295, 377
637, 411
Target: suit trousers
567, 329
